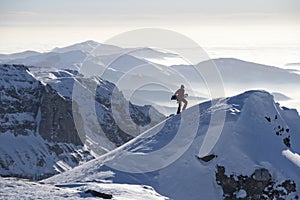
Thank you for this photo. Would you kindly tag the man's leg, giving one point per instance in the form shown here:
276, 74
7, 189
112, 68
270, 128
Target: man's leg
185, 104
179, 107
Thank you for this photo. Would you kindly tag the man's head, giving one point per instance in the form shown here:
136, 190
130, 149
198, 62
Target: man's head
182, 86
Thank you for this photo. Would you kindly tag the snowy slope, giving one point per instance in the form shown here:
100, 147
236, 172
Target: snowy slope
11, 189
252, 148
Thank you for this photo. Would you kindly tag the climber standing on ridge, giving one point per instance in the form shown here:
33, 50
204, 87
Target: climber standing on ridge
180, 98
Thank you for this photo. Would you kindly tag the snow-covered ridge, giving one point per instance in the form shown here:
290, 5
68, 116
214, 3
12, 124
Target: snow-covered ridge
251, 145
6, 57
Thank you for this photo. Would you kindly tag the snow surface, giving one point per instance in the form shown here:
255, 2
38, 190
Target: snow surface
12, 189
241, 194
293, 157
247, 142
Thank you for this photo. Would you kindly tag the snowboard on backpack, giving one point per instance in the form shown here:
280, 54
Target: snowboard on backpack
174, 97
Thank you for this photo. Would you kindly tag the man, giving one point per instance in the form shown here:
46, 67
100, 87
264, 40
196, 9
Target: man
180, 98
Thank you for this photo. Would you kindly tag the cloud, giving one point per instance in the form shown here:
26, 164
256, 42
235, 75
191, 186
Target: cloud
25, 18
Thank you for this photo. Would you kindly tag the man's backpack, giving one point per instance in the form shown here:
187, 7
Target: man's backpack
174, 97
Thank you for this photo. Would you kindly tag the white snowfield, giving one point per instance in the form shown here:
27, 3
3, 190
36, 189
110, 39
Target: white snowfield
13, 189
248, 142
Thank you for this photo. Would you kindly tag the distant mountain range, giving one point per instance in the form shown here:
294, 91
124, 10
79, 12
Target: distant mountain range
131, 67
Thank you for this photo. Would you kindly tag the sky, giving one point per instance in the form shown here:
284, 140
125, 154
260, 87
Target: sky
43, 25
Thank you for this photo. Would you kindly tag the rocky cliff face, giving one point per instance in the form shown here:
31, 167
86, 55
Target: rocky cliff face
57, 123
106, 119
38, 136
20, 99
37, 132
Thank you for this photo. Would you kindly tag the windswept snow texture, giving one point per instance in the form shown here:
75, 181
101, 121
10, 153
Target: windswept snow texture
249, 141
12, 189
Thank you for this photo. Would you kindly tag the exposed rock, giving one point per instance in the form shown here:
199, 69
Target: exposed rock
281, 131
99, 194
287, 141
57, 123
207, 158
258, 186
268, 119
261, 175
20, 99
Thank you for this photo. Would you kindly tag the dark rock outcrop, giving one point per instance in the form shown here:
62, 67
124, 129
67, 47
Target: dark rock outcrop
99, 194
57, 123
257, 186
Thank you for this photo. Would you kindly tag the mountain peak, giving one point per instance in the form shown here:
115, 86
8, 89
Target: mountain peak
259, 93
87, 47
257, 96
14, 72
90, 42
